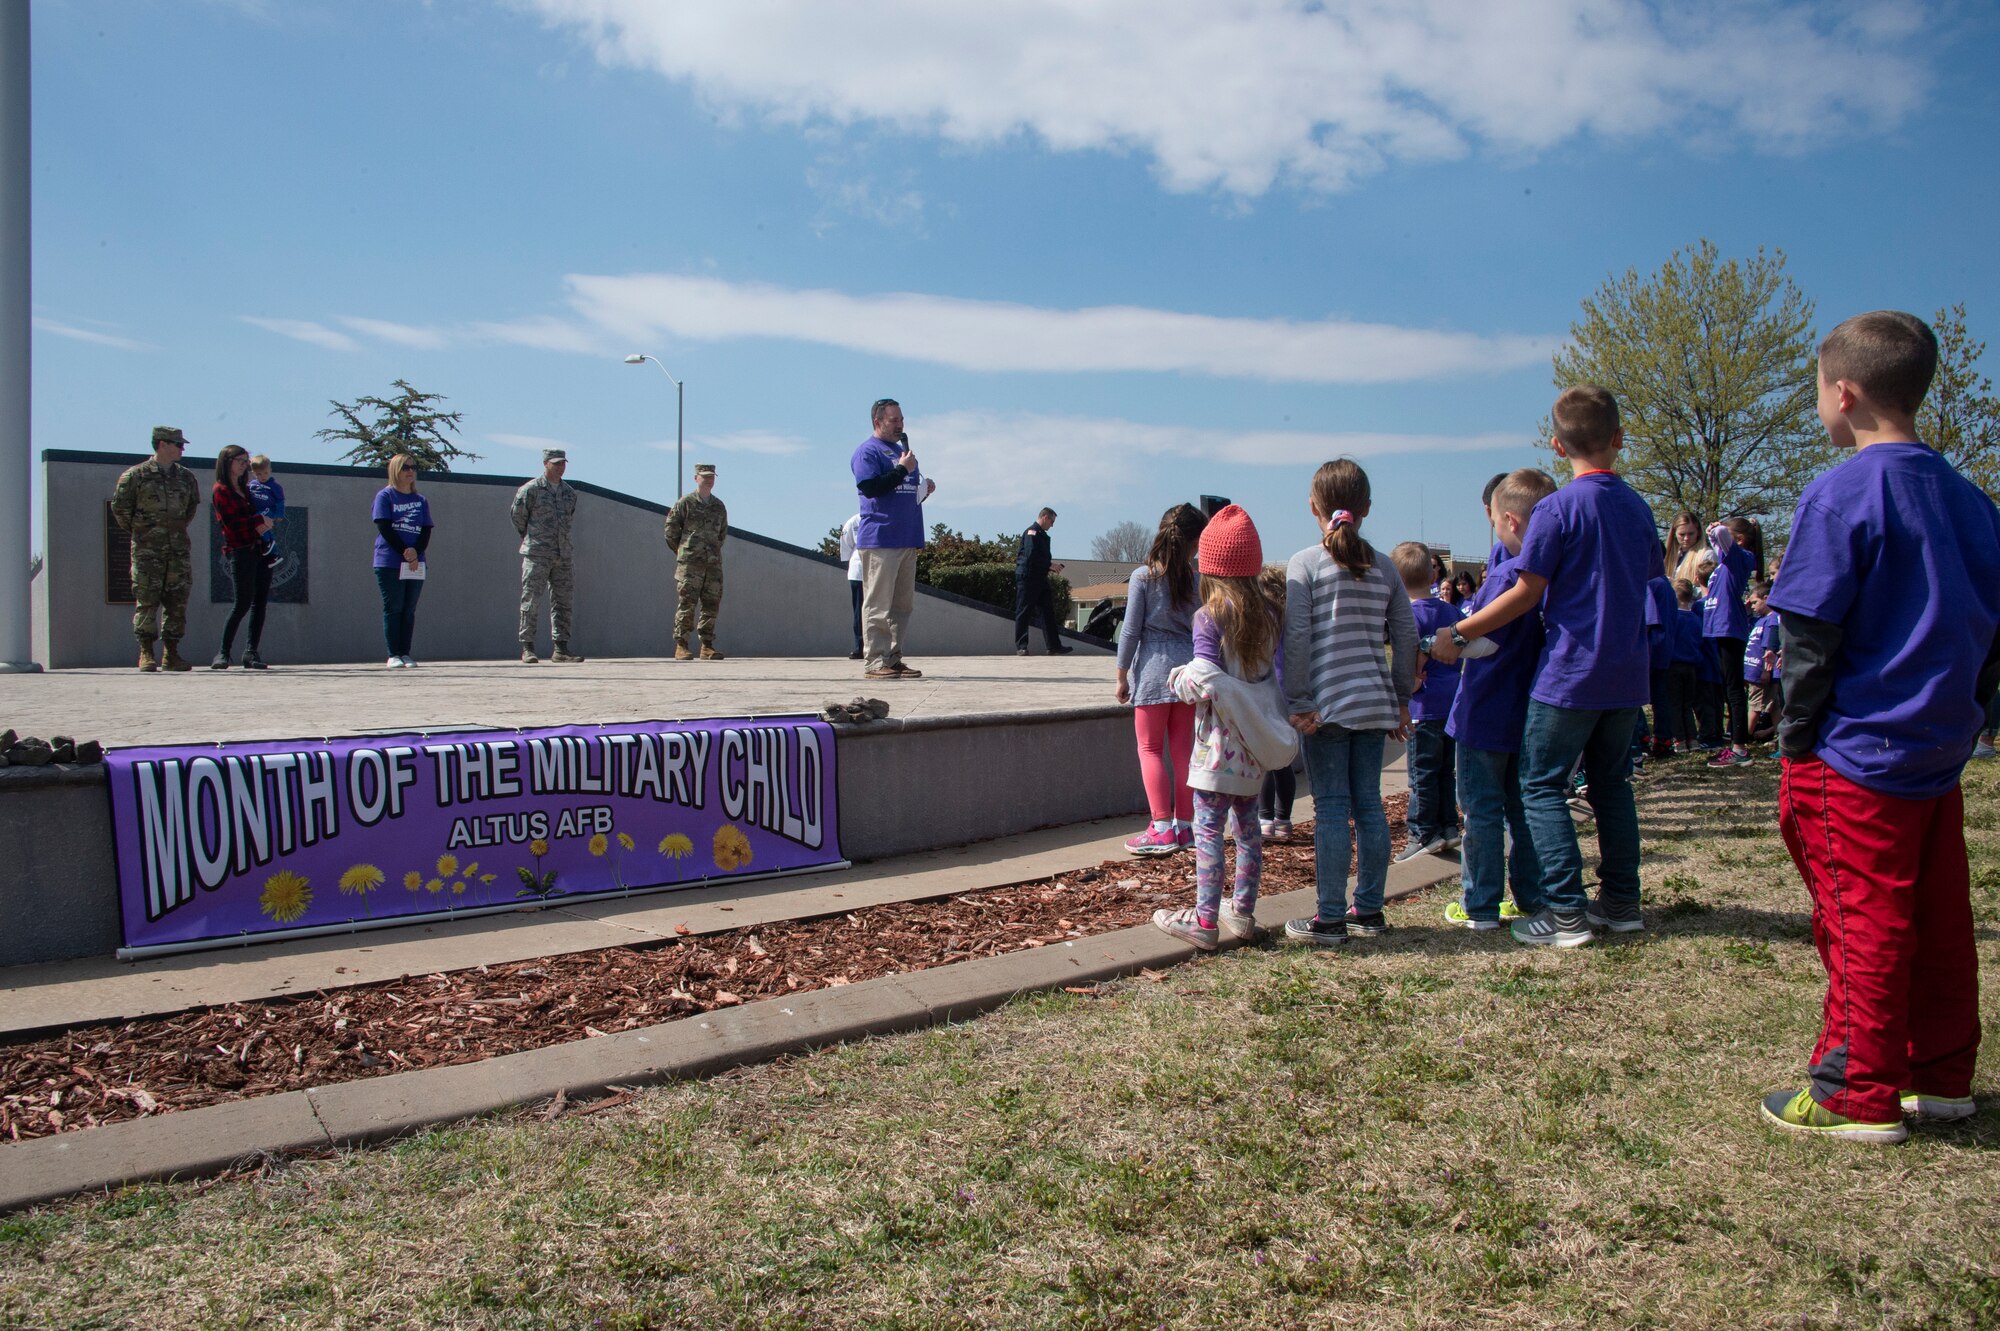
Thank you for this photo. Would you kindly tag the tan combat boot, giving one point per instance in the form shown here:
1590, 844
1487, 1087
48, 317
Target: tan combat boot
708, 653
146, 661
562, 655
171, 658
681, 652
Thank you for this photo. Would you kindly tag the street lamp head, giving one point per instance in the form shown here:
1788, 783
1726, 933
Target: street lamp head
635, 359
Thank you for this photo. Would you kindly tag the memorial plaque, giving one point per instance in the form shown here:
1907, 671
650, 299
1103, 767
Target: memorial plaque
288, 579
117, 562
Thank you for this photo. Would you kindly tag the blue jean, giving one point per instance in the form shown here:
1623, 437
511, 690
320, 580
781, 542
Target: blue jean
1553, 741
399, 608
1345, 768
1433, 789
1489, 786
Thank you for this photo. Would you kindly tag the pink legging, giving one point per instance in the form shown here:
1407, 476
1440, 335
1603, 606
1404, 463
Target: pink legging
1166, 741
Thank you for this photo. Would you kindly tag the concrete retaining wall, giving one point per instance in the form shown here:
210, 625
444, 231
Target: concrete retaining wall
779, 599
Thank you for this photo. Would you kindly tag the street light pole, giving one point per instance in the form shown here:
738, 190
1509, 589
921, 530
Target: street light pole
680, 416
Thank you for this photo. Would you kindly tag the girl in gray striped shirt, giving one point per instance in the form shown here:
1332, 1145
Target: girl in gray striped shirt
1342, 603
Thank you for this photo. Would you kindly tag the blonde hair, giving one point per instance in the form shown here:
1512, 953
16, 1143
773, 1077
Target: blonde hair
1522, 490
258, 462
399, 464
1245, 617
1414, 561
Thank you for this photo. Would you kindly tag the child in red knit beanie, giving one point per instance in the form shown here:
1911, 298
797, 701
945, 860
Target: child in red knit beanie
1240, 727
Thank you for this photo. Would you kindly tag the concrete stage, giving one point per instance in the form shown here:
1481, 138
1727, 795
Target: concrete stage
124, 707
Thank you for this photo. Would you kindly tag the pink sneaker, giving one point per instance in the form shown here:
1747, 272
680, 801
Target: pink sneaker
1729, 758
1152, 841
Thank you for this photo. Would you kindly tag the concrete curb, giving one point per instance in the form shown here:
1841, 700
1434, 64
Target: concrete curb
198, 1143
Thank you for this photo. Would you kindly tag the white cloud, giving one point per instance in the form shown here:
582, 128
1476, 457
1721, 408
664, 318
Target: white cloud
1237, 94
998, 336
767, 442
402, 335
999, 459
305, 330
91, 336
535, 442
544, 333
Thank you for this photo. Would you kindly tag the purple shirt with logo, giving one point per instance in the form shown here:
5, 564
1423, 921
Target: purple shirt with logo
896, 520
1491, 706
1594, 542
1432, 702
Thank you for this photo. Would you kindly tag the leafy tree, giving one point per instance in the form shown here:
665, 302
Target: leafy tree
1960, 417
829, 544
1126, 543
1713, 365
380, 428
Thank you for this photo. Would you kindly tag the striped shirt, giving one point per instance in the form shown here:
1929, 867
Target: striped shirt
1336, 623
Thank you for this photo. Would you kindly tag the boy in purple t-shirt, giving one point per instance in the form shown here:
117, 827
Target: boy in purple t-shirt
1433, 820
1589, 550
1890, 613
1486, 721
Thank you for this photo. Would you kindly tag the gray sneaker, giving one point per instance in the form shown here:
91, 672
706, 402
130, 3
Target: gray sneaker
1416, 850
1550, 928
1184, 925
1239, 926
1618, 918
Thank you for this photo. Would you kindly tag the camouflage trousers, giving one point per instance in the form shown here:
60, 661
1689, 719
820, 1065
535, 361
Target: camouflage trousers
554, 576
161, 580
697, 585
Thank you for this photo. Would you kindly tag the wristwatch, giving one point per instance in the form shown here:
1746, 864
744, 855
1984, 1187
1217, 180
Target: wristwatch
1456, 639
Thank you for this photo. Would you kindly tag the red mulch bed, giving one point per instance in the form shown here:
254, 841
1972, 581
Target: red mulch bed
103, 1074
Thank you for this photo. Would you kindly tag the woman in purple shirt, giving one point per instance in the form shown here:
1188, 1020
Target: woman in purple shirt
402, 534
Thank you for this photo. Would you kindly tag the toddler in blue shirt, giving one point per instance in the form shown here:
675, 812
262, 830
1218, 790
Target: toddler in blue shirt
1429, 757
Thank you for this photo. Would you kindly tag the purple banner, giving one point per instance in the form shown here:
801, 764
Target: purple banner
221, 843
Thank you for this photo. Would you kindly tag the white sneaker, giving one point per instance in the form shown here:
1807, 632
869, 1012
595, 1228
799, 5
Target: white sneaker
1241, 927
409, 662
395, 663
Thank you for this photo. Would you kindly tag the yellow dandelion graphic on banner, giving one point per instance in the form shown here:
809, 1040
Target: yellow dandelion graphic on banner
434, 885
447, 865
675, 845
361, 880
458, 889
486, 877
538, 848
731, 848
625, 840
597, 844
286, 896
472, 869
413, 881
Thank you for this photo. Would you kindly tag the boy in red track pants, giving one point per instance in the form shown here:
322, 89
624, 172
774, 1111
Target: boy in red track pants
1889, 612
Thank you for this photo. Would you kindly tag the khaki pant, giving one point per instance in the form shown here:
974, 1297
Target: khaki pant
888, 592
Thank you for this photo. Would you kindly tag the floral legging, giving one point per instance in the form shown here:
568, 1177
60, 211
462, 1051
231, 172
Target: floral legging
1211, 819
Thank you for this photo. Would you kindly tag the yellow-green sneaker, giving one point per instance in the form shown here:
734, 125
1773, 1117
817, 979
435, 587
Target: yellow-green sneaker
1944, 1107
1508, 910
1455, 914
1802, 1113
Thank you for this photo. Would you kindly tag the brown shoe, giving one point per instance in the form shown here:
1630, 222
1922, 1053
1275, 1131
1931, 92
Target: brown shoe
906, 672
881, 672
681, 653
562, 655
147, 663
709, 653
171, 658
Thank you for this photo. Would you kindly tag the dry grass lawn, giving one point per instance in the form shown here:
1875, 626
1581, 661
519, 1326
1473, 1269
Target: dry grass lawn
1432, 1129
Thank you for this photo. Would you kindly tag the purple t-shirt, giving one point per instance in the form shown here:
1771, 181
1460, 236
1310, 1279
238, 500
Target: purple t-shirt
1594, 541
896, 520
1662, 612
1899, 550
1687, 637
1722, 612
409, 514
1763, 634
1491, 707
1432, 702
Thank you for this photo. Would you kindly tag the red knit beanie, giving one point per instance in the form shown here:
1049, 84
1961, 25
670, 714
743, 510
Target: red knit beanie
1229, 546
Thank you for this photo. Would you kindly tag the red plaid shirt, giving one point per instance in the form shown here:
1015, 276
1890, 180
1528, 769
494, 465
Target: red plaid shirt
237, 515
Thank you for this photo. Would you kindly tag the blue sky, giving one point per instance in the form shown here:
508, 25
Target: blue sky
1109, 256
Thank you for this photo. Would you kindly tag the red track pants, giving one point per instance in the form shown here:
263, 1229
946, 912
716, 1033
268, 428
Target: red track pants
1892, 918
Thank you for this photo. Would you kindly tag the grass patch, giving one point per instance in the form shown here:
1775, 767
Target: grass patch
1432, 1129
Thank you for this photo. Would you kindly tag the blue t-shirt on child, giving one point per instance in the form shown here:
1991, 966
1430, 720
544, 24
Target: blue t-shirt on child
1594, 542
1662, 610
1898, 549
1687, 637
1491, 707
409, 514
1432, 702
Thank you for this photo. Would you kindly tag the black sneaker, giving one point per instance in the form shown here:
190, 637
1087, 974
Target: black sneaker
1316, 932
1550, 928
1060, 650
854, 656
252, 661
1619, 918
221, 661
1367, 926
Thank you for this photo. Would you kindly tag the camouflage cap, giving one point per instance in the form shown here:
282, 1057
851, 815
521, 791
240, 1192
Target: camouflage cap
168, 434
701, 467
555, 455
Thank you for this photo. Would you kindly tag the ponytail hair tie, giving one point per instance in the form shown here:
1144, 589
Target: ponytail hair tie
1340, 516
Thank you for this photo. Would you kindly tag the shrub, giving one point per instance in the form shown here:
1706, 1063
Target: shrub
994, 585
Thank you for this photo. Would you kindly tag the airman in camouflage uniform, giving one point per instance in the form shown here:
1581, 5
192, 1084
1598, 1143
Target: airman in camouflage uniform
154, 503
542, 512
696, 529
